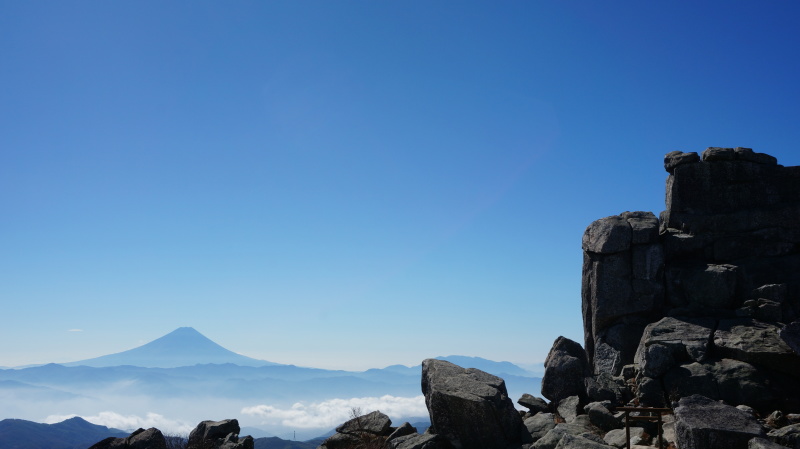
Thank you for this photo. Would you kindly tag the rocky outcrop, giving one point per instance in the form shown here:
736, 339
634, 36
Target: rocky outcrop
151, 438
207, 435
374, 431
703, 299
218, 435
468, 407
622, 289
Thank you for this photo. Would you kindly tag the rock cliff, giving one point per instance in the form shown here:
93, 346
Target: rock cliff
702, 299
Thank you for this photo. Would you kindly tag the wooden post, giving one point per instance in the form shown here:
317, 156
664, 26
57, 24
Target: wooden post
627, 431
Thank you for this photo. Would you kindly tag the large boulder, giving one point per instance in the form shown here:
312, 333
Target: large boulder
375, 423
702, 423
371, 430
469, 407
565, 368
218, 435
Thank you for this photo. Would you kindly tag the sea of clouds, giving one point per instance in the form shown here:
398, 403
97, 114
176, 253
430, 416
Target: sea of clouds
331, 413
308, 419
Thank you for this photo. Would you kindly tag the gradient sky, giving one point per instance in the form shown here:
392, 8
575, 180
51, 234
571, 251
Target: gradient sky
352, 184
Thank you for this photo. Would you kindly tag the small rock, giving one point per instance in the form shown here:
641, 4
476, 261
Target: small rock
788, 436
532, 403
569, 408
538, 425
580, 442
776, 420
405, 429
763, 443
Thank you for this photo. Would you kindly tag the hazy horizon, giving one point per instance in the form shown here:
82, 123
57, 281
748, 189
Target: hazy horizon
533, 368
351, 185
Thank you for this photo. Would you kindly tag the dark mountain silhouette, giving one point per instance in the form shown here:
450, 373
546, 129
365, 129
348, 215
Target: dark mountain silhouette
74, 433
182, 347
279, 443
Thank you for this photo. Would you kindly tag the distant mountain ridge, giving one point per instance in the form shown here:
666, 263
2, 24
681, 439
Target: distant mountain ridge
73, 433
182, 347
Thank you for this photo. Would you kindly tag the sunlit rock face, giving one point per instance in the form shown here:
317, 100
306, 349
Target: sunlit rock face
706, 298
468, 407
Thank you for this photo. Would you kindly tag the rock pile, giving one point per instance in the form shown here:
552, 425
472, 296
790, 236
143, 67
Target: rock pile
374, 431
207, 435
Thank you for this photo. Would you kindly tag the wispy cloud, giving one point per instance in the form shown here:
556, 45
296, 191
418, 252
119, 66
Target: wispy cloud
75, 330
336, 411
131, 422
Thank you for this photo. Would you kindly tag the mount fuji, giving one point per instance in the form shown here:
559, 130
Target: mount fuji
182, 347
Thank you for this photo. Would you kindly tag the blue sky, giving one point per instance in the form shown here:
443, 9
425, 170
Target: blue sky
352, 184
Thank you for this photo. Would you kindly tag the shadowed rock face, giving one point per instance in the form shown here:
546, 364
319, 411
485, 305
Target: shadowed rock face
703, 299
151, 438
565, 369
218, 435
469, 407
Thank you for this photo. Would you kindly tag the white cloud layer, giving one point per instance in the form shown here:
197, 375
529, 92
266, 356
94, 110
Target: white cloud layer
131, 422
333, 412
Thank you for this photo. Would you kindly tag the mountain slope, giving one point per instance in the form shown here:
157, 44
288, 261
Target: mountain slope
73, 433
182, 347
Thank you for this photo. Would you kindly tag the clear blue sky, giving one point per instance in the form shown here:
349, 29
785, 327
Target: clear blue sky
352, 184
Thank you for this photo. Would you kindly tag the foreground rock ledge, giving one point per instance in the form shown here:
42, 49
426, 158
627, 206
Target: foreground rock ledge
701, 423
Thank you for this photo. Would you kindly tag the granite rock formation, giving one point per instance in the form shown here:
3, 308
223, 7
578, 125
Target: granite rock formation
703, 299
